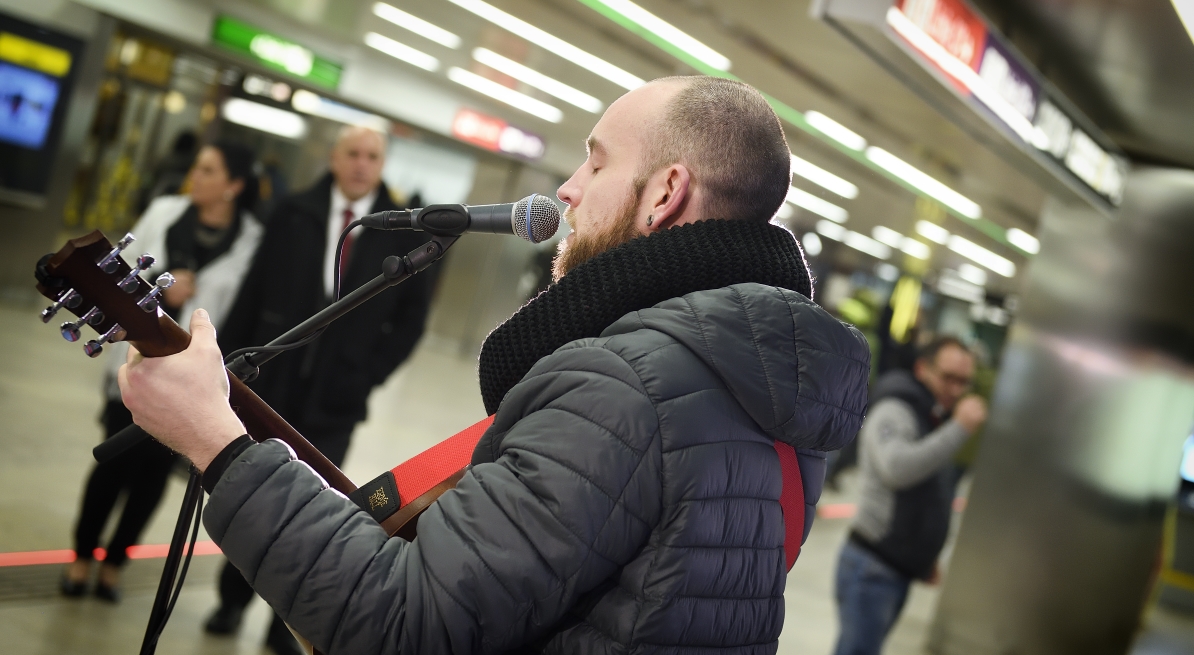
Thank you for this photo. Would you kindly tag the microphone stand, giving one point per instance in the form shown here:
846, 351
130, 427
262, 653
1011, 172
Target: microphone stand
394, 270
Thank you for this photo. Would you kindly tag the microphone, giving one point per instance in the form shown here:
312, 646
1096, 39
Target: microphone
534, 218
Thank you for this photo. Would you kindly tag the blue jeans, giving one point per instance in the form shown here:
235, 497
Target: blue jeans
870, 595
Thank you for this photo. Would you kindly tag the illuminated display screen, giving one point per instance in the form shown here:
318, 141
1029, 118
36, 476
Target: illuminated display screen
1188, 460
956, 42
27, 102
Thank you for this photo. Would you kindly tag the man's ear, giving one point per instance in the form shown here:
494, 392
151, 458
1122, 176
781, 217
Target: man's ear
671, 202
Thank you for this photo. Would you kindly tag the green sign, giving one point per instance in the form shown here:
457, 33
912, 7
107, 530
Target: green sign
275, 52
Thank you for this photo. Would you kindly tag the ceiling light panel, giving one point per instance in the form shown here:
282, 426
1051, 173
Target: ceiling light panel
863, 243
823, 178
923, 182
401, 51
550, 43
932, 232
806, 200
831, 230
972, 274
835, 130
982, 256
505, 94
417, 25
255, 115
887, 235
1023, 240
538, 80
664, 30
915, 248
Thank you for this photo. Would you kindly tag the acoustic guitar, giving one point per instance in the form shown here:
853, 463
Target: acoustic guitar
89, 279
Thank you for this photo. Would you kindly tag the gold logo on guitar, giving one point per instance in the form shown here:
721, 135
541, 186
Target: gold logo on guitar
378, 499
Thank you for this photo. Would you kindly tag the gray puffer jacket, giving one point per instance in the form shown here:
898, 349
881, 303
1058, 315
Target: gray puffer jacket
625, 499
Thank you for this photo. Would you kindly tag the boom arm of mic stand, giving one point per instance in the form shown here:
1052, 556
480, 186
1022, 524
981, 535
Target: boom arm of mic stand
395, 270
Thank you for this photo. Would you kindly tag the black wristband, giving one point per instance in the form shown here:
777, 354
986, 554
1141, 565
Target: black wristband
221, 462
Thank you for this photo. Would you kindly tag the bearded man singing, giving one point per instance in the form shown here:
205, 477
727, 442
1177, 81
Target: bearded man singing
626, 497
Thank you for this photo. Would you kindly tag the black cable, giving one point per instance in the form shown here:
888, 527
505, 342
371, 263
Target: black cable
168, 586
230, 357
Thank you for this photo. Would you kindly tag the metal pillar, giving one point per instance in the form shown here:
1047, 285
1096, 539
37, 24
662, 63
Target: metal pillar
1061, 537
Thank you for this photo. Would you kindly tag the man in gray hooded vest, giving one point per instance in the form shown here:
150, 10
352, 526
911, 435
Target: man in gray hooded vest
626, 497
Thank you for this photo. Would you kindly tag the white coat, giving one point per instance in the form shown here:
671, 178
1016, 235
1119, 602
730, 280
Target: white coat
216, 285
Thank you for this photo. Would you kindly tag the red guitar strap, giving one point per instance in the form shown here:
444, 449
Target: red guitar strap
791, 500
421, 473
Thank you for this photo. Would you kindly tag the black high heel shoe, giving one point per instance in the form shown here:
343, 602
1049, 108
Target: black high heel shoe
106, 593
71, 588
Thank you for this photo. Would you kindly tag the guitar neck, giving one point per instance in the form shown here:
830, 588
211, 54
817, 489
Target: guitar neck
261, 421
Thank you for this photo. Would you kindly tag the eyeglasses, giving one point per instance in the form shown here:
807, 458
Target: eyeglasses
952, 379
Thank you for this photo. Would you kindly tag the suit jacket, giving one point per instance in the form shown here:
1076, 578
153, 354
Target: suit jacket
324, 386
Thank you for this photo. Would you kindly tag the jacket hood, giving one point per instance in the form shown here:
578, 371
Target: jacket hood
797, 371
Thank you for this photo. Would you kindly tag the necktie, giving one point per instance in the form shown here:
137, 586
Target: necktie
347, 252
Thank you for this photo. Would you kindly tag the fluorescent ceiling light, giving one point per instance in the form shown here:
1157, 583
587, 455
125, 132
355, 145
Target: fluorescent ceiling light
932, 232
1025, 241
866, 244
835, 130
505, 94
831, 230
538, 80
887, 235
853, 239
1185, 11
982, 256
890, 237
550, 43
955, 287
960, 71
824, 178
265, 118
806, 200
921, 181
812, 243
316, 105
915, 248
972, 274
416, 25
668, 32
401, 51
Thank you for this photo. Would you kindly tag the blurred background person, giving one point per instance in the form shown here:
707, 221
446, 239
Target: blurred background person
170, 174
322, 388
917, 421
206, 239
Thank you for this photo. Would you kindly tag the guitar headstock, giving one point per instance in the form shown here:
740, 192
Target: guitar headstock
89, 279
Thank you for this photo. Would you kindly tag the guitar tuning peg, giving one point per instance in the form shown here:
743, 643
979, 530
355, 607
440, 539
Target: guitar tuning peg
129, 283
70, 331
110, 262
150, 302
69, 299
96, 346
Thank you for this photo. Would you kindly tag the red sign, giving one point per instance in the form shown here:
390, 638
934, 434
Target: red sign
496, 134
478, 129
951, 24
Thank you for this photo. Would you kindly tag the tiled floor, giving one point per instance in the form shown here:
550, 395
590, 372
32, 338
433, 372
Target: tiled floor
49, 398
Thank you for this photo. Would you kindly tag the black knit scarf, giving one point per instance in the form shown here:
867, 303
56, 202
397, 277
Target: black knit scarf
636, 275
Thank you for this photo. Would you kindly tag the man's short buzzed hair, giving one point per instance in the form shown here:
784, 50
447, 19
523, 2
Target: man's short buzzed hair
732, 143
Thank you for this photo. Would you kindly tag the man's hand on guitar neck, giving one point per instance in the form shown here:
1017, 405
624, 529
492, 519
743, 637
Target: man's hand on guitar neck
182, 399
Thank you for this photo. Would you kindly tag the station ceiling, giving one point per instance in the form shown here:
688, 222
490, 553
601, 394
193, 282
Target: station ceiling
1127, 63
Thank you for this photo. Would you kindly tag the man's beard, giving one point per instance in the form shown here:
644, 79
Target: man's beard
582, 249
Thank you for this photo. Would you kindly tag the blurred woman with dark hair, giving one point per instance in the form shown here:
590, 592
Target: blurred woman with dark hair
206, 239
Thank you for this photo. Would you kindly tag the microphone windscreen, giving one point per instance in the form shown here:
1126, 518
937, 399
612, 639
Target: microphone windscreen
535, 218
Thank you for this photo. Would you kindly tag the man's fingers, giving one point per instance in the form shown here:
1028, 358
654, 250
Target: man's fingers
201, 327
